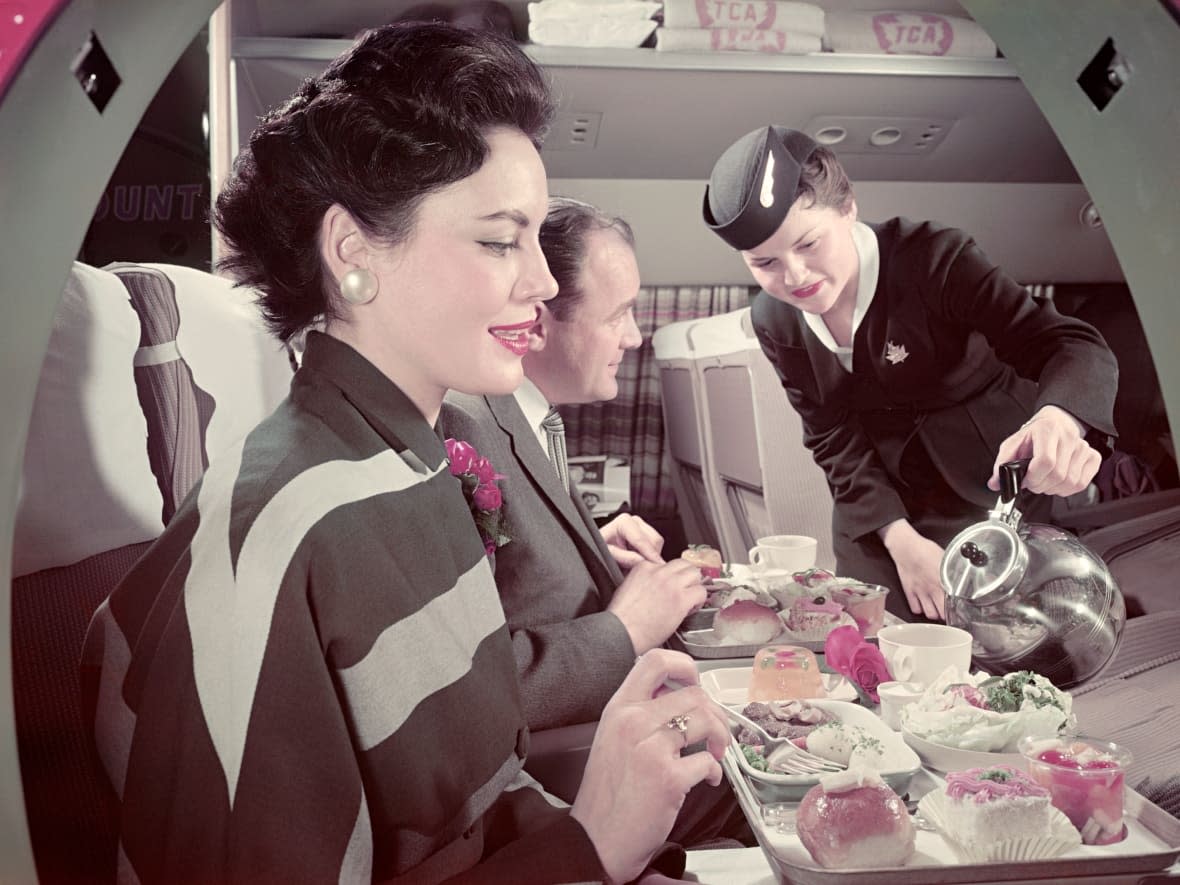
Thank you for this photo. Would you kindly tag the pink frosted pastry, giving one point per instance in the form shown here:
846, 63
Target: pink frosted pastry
853, 820
987, 805
782, 672
813, 618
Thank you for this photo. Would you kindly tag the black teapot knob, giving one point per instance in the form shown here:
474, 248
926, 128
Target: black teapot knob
970, 552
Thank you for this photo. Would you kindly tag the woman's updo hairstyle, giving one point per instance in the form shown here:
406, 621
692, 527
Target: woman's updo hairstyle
823, 183
401, 114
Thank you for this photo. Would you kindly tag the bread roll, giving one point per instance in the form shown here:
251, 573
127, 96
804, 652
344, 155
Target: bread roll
746, 623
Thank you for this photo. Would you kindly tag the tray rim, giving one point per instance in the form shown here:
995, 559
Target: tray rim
1142, 811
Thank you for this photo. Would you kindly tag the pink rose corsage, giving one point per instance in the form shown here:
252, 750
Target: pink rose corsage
847, 652
484, 499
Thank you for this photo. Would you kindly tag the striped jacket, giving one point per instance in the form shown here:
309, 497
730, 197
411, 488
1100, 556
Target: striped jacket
308, 677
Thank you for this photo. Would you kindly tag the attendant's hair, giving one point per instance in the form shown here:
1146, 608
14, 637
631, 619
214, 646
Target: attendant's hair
564, 233
401, 114
823, 183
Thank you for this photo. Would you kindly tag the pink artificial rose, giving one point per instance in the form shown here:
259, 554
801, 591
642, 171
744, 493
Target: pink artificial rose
868, 669
487, 497
463, 456
838, 648
484, 472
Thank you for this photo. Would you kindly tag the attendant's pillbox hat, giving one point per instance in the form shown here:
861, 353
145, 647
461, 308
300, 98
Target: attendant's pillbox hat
754, 183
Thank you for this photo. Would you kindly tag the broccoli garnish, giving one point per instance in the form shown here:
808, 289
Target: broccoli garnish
1005, 694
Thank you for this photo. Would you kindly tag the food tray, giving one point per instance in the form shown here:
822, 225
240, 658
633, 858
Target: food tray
700, 642
1152, 844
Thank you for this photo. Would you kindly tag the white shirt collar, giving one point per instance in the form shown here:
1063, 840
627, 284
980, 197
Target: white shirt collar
534, 406
865, 243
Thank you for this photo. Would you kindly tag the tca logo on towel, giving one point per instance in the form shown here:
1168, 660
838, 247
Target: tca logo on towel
736, 13
913, 33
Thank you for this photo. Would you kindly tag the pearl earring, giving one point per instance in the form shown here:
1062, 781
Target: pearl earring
358, 286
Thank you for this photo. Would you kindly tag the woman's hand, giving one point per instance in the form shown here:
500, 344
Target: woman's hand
1063, 463
632, 541
919, 565
635, 779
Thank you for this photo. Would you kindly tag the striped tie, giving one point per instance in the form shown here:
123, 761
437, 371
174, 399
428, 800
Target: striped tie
554, 429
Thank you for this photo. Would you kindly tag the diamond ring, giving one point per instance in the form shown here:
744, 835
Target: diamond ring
679, 723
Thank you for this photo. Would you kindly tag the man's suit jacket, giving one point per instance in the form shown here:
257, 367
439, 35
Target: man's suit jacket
555, 577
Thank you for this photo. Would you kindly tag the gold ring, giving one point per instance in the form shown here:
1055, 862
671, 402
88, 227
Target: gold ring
679, 723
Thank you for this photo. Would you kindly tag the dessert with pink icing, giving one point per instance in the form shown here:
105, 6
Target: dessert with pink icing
853, 820
782, 672
745, 622
987, 805
1085, 779
814, 617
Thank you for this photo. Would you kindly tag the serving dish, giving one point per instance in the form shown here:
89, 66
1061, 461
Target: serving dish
1152, 844
772, 787
731, 685
701, 643
940, 757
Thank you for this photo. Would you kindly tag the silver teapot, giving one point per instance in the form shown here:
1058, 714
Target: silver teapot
1032, 596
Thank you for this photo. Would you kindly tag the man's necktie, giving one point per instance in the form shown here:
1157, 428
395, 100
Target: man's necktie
554, 429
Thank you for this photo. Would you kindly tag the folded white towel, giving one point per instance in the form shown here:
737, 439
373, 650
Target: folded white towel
741, 39
565, 10
604, 32
907, 33
774, 15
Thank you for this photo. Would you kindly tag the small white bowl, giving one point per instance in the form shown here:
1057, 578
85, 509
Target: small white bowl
894, 696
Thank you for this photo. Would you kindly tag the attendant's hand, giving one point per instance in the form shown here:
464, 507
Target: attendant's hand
635, 778
1063, 463
919, 566
632, 541
653, 600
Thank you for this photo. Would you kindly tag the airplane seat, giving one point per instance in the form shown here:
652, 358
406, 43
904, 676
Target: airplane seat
683, 443
109, 455
733, 474
766, 479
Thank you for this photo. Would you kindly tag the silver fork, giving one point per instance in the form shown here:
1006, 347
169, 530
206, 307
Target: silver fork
793, 761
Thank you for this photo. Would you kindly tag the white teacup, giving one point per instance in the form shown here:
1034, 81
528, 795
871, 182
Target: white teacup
920, 652
795, 553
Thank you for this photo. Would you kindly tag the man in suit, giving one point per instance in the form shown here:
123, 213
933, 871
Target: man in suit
581, 603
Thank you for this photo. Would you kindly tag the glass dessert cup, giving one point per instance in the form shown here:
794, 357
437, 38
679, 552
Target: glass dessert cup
1086, 780
866, 604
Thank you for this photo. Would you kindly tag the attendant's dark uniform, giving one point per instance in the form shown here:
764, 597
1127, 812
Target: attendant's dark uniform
951, 358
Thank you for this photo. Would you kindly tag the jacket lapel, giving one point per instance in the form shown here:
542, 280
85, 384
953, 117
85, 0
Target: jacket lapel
540, 470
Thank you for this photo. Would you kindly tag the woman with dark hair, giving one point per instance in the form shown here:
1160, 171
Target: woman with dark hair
308, 677
917, 365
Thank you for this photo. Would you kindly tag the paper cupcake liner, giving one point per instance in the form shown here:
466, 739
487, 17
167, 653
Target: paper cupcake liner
1060, 838
815, 634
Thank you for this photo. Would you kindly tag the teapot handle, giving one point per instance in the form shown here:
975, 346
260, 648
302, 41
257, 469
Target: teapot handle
1011, 476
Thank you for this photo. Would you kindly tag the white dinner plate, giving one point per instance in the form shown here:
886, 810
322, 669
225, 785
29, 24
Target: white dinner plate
777, 787
731, 685
943, 758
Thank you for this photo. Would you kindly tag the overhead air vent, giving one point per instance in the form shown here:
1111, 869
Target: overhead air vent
880, 135
577, 131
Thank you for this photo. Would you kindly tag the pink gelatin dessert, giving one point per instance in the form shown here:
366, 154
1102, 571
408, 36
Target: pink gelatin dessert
853, 820
983, 806
864, 602
784, 672
1085, 779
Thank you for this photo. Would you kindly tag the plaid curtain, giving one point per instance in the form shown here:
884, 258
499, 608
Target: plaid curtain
631, 426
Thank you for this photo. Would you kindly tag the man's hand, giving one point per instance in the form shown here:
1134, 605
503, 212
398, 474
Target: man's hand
919, 565
653, 600
1063, 463
632, 541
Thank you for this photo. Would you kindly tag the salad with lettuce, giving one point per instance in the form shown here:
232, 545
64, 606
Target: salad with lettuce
988, 713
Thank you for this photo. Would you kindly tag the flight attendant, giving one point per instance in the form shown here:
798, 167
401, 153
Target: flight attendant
916, 365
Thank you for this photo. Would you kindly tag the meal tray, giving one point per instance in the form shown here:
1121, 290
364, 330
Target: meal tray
1152, 844
695, 638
